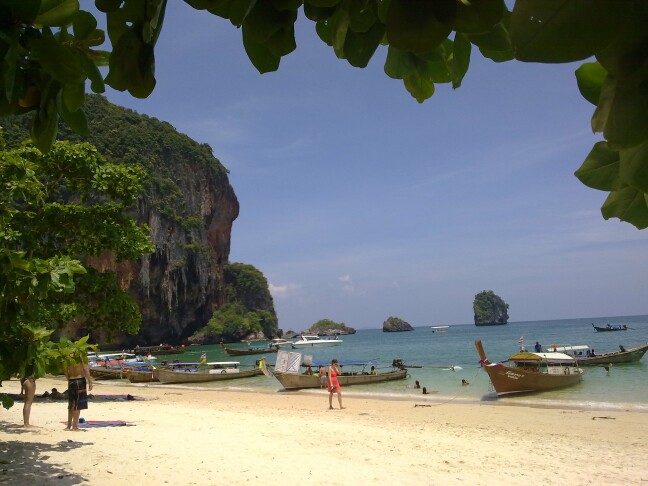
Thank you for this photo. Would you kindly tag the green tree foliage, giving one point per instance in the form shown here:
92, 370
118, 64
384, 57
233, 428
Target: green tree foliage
234, 322
56, 209
249, 307
50, 48
489, 308
326, 324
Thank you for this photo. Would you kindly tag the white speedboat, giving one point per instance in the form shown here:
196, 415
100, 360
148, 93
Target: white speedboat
440, 328
310, 340
280, 343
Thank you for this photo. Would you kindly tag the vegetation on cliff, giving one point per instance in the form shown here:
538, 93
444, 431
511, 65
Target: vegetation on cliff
56, 212
189, 206
249, 311
489, 308
327, 326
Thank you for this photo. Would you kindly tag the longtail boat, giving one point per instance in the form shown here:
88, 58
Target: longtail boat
107, 373
584, 357
291, 380
142, 376
248, 351
611, 327
204, 372
531, 372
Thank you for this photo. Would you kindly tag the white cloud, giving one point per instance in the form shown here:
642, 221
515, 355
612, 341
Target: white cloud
284, 291
345, 278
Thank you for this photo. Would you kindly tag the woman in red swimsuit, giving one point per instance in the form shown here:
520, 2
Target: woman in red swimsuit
334, 384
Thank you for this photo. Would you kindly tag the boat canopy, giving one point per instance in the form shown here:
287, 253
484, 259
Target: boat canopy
562, 349
528, 356
349, 362
211, 363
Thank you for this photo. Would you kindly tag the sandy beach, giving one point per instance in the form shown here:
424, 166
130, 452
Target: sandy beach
197, 437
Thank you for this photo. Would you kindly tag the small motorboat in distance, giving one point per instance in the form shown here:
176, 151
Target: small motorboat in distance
611, 327
531, 372
311, 340
585, 357
440, 328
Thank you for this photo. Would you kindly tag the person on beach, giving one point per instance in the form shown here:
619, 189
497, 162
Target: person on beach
78, 376
334, 386
425, 392
538, 347
323, 379
464, 382
28, 390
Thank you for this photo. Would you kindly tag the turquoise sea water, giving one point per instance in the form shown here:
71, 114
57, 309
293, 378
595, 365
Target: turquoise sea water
625, 387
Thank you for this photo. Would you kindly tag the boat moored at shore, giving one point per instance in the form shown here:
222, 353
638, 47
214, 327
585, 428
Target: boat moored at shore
204, 372
531, 372
587, 357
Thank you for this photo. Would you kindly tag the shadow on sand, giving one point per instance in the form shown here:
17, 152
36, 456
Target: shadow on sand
24, 463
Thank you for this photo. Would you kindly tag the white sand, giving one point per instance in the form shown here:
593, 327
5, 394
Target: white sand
223, 437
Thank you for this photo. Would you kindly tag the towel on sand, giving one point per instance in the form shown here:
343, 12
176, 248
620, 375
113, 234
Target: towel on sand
102, 423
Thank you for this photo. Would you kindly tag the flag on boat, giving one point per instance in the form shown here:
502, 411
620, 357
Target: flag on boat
203, 358
522, 343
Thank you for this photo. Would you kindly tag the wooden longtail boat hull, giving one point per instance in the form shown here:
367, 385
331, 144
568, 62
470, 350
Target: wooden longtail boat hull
243, 352
631, 355
170, 376
102, 373
507, 380
292, 381
142, 376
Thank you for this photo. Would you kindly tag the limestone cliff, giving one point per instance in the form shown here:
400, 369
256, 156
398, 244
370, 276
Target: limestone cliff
395, 324
189, 206
490, 309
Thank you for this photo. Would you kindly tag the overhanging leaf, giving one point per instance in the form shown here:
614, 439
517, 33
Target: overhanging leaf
262, 58
590, 77
399, 63
627, 120
360, 47
557, 31
419, 87
634, 167
601, 169
59, 61
419, 25
460, 58
57, 13
628, 205
84, 24
478, 16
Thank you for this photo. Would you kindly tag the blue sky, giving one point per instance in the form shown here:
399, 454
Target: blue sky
358, 203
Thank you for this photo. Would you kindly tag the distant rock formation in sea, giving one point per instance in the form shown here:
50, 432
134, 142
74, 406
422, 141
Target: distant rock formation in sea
395, 324
490, 309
